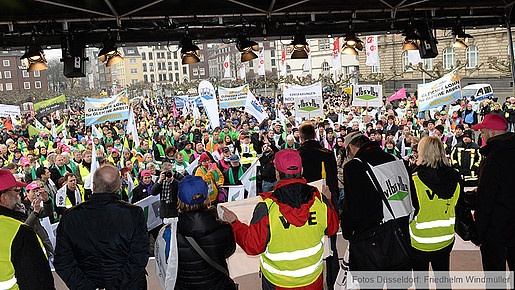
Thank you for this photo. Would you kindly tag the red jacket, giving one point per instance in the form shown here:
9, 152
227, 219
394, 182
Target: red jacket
294, 198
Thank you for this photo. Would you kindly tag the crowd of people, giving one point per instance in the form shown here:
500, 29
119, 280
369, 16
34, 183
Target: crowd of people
459, 155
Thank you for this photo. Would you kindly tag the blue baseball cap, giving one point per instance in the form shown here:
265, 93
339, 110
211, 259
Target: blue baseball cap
189, 187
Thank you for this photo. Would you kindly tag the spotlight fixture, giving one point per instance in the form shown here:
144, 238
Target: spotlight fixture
299, 46
352, 44
33, 58
411, 40
247, 48
461, 39
189, 52
109, 54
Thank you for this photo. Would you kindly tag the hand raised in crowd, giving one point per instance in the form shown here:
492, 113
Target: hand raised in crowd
161, 177
228, 215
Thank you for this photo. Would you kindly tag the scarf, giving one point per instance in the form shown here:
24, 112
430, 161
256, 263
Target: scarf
61, 171
231, 174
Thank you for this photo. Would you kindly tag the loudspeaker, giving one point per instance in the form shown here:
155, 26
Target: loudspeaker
74, 58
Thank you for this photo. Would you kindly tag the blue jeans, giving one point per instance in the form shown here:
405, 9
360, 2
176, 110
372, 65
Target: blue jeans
267, 186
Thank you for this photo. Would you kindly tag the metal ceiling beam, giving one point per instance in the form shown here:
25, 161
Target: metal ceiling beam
74, 8
247, 5
291, 5
140, 8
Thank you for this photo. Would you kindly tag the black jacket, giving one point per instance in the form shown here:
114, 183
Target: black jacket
313, 154
495, 207
102, 243
139, 193
55, 175
267, 167
30, 264
167, 207
362, 205
216, 238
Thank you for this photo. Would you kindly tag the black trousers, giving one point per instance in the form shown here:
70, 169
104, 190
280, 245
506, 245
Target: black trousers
494, 258
440, 261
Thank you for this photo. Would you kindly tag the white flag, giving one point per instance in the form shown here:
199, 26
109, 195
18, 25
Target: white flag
131, 128
261, 66
254, 107
236, 192
94, 161
54, 133
145, 105
248, 179
414, 57
130, 187
227, 69
38, 124
95, 133
196, 112
208, 98
337, 63
243, 73
14, 121
65, 134
371, 50
283, 63
193, 165
307, 64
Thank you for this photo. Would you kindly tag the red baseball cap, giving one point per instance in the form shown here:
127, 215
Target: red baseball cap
493, 122
146, 173
288, 161
7, 180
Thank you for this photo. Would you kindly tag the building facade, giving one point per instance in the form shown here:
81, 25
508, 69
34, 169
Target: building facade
14, 75
163, 64
95, 70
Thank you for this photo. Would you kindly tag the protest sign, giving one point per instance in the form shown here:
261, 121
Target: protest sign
232, 97
98, 111
181, 101
8, 110
367, 95
307, 99
442, 91
208, 98
46, 107
150, 206
253, 107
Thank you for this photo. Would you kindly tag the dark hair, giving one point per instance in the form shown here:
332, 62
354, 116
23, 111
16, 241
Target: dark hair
307, 131
40, 171
170, 149
283, 176
360, 141
199, 207
68, 175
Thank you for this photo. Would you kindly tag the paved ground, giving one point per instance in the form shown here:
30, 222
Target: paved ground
464, 257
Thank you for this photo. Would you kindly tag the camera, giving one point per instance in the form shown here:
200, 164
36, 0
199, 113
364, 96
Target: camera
168, 174
38, 195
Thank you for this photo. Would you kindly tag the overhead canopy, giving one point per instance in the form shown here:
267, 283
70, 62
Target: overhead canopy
153, 21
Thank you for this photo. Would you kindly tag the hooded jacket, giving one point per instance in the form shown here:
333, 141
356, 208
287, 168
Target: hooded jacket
495, 209
294, 198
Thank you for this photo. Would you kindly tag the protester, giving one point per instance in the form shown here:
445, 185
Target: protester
167, 188
103, 243
292, 203
211, 175
24, 264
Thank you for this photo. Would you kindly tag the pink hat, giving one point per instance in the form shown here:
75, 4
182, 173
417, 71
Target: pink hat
288, 161
57, 140
24, 161
492, 121
114, 150
146, 173
7, 180
66, 149
32, 185
89, 142
73, 140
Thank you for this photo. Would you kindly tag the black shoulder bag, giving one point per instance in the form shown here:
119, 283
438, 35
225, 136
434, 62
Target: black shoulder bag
381, 248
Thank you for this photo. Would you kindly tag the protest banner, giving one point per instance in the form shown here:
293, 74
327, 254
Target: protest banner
46, 107
232, 97
367, 95
442, 91
208, 98
253, 107
307, 99
181, 101
99, 111
9, 111
150, 206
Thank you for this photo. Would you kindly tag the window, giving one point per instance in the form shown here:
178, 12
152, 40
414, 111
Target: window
1, 87
251, 63
272, 53
134, 81
168, 55
151, 67
376, 68
449, 60
134, 71
132, 61
184, 70
325, 66
175, 54
25, 74
170, 77
428, 63
288, 69
160, 77
164, 76
201, 57
195, 71
169, 65
150, 56
152, 80
130, 50
0, 75
144, 67
37, 74
176, 77
272, 43
8, 87
472, 56
405, 62
272, 62
7, 74
145, 78
324, 44
176, 65
202, 71
7, 62
143, 56
37, 85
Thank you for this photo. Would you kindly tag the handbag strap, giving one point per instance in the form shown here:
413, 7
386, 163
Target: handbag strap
373, 178
206, 258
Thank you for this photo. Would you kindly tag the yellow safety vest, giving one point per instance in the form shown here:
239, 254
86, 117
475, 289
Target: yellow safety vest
294, 255
433, 227
67, 202
456, 159
8, 229
249, 160
83, 171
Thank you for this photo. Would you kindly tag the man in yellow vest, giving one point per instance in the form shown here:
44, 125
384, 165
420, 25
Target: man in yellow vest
23, 263
69, 195
288, 227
